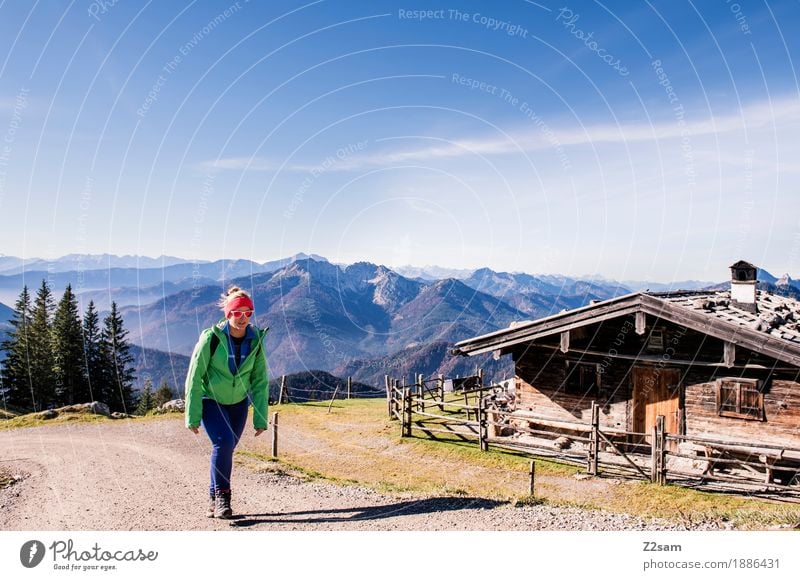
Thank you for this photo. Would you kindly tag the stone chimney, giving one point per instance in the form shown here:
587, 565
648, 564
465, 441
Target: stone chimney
743, 286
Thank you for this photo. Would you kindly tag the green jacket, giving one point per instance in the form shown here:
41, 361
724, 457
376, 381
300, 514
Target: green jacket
214, 379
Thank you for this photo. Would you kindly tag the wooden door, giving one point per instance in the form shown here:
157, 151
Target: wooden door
656, 391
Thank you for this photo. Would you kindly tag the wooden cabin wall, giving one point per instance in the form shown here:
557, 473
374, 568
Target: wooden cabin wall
540, 375
781, 407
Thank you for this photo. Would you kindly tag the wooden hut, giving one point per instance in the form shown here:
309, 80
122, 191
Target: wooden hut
723, 365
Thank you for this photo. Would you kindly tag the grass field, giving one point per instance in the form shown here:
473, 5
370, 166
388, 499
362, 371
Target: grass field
356, 443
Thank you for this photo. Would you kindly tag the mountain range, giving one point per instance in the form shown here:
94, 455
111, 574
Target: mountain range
361, 320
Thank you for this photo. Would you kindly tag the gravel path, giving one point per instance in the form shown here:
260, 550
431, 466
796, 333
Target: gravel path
132, 475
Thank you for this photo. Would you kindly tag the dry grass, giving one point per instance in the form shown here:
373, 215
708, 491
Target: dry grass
35, 420
356, 444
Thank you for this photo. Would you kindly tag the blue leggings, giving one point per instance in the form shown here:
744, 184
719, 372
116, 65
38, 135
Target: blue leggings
224, 425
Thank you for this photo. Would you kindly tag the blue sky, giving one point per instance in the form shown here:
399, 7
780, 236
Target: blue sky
646, 140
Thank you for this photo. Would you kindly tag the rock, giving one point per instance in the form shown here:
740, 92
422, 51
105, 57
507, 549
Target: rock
174, 406
49, 414
95, 408
562, 443
117, 415
581, 476
99, 408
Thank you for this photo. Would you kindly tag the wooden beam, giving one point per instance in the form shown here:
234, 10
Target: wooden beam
730, 354
565, 341
641, 322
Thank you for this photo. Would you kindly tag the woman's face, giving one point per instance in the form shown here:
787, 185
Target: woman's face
240, 318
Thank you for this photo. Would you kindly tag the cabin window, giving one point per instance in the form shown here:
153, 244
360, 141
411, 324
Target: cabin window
740, 398
582, 379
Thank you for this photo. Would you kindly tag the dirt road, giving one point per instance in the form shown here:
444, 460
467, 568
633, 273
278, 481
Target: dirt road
152, 475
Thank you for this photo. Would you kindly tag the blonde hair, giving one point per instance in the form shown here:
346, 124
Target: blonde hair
233, 292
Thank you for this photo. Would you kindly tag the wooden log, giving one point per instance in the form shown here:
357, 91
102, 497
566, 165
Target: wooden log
275, 434
565, 341
641, 323
729, 354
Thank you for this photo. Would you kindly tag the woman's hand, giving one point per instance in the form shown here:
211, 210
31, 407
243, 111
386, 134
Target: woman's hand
194, 430
259, 432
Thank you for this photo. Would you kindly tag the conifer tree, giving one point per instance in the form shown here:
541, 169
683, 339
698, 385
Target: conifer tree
162, 395
96, 372
16, 384
70, 382
146, 398
40, 350
118, 359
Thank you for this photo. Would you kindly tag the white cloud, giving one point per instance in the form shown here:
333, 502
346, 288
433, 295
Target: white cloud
762, 122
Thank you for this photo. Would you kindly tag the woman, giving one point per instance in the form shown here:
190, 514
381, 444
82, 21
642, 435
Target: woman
227, 371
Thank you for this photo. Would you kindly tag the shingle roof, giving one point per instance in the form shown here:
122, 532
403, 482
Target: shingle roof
774, 330
778, 316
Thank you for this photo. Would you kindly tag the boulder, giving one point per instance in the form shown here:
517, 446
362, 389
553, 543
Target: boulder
117, 415
174, 406
95, 408
48, 414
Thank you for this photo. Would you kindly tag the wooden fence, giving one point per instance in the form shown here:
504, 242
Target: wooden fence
471, 414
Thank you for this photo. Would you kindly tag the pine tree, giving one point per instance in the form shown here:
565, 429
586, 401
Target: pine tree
16, 384
40, 350
95, 371
118, 359
163, 395
70, 380
146, 398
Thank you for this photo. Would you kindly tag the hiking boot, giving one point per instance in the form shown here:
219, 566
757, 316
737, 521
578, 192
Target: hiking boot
223, 505
212, 507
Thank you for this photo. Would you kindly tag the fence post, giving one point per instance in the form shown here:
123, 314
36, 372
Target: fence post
275, 434
389, 395
531, 475
440, 392
482, 427
594, 442
349, 387
654, 455
662, 450
421, 382
282, 392
406, 412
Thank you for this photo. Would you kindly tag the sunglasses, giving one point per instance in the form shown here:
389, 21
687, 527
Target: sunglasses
240, 313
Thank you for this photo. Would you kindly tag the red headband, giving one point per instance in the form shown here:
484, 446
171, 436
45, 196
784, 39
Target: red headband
237, 302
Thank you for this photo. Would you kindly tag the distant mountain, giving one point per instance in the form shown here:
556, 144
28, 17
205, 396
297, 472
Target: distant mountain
6, 314
639, 285
124, 283
321, 315
431, 273
160, 366
429, 359
539, 296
